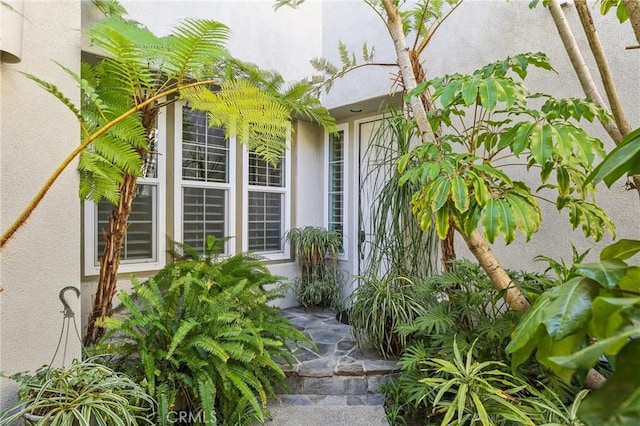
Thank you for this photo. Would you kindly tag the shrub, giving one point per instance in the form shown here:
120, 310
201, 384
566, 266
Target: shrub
201, 335
63, 396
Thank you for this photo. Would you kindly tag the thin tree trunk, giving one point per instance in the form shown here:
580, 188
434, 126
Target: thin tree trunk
633, 10
580, 66
615, 131
491, 265
603, 66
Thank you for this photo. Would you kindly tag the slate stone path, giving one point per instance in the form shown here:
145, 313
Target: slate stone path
336, 385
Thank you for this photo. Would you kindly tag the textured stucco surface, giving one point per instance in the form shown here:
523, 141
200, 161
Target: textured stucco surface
36, 133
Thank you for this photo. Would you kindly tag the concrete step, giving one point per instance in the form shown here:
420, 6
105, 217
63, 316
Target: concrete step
316, 415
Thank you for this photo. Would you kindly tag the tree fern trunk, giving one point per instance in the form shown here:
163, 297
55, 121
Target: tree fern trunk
102, 306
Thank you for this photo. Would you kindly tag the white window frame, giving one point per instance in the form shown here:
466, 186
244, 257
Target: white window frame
229, 187
285, 254
344, 254
159, 235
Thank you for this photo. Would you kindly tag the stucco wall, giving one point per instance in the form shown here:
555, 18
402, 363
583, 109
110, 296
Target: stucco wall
36, 133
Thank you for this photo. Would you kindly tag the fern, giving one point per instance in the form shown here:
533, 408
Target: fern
202, 327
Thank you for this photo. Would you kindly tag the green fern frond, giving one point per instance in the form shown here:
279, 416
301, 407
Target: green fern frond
193, 47
185, 327
53, 89
253, 115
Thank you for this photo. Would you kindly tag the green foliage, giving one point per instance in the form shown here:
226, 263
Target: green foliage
82, 392
463, 390
397, 241
464, 303
590, 316
623, 159
378, 307
201, 332
463, 176
317, 250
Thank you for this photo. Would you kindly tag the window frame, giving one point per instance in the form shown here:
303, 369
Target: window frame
285, 254
344, 128
90, 213
180, 183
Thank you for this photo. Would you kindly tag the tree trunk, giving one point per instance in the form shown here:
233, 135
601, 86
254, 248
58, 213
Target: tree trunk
603, 66
633, 10
499, 277
102, 306
615, 131
580, 66
110, 261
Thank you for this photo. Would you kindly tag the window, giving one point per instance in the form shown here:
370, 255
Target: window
335, 182
143, 246
205, 181
267, 204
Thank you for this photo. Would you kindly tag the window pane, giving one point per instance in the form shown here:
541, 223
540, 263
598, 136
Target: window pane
205, 150
203, 213
265, 221
264, 174
336, 182
139, 240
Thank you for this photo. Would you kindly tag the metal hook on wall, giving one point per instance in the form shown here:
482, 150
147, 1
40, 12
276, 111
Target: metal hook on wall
68, 312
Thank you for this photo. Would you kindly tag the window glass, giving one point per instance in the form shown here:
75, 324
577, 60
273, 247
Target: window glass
139, 241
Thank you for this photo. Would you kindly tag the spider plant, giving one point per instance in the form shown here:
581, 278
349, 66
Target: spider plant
84, 392
378, 307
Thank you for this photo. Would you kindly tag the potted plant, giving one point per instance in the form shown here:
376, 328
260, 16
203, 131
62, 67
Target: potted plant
316, 251
84, 393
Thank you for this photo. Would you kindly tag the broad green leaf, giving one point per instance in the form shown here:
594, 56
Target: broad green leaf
449, 93
617, 402
606, 318
541, 143
471, 218
608, 272
624, 159
442, 221
525, 214
631, 280
488, 93
441, 190
460, 193
548, 348
507, 221
522, 136
621, 249
480, 189
528, 326
469, 90
491, 220
562, 178
587, 357
570, 307
493, 172
416, 91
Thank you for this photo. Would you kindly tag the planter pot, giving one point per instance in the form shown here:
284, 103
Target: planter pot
343, 317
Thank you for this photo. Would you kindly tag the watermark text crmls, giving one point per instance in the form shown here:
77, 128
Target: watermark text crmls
184, 417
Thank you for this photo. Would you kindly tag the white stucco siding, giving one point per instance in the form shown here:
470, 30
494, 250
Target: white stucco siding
36, 133
283, 40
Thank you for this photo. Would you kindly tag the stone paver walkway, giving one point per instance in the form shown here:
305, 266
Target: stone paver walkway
338, 384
